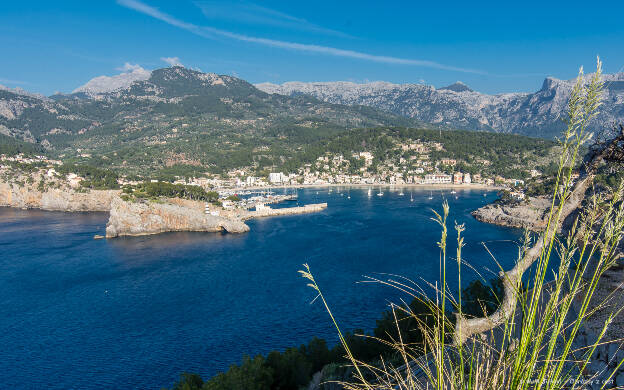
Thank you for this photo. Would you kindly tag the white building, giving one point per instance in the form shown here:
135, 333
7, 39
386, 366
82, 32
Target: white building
277, 177
517, 195
438, 179
467, 179
74, 180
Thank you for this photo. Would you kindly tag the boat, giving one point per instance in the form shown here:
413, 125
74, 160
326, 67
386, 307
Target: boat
453, 192
370, 192
401, 193
380, 193
430, 195
411, 196
292, 196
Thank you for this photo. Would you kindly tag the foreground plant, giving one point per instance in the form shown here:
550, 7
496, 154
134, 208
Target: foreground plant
534, 338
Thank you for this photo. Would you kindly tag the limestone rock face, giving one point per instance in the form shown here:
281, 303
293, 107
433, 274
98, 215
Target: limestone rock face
142, 218
29, 197
536, 114
532, 216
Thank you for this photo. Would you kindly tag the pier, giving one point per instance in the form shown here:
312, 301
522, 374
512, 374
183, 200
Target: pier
269, 212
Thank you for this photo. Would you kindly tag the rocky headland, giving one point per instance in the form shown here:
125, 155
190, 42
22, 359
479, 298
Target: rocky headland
532, 214
56, 199
136, 218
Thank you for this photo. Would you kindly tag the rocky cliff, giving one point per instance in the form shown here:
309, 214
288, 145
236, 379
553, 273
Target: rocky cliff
29, 197
532, 215
128, 218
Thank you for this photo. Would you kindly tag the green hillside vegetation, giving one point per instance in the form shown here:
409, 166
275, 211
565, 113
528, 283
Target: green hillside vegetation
507, 155
10, 146
156, 190
288, 147
94, 178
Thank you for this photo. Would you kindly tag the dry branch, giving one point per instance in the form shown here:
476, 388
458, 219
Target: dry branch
611, 151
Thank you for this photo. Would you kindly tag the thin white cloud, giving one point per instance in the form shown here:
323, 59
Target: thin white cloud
211, 32
128, 67
172, 61
250, 13
13, 82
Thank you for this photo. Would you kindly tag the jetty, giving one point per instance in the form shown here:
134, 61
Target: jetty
265, 211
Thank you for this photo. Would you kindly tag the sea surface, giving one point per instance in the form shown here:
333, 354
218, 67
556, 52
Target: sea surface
136, 312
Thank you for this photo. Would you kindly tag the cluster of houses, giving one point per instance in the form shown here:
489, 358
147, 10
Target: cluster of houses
20, 158
410, 164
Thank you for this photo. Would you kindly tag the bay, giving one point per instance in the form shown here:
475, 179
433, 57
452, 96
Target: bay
136, 312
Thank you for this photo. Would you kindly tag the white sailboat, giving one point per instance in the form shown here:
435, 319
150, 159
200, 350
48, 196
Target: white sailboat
411, 196
431, 195
401, 193
380, 193
370, 192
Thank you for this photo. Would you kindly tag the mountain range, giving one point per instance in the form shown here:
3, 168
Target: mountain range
144, 120
537, 114
178, 115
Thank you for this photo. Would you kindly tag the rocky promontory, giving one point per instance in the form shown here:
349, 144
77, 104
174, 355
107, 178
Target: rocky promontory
531, 214
136, 218
130, 215
58, 199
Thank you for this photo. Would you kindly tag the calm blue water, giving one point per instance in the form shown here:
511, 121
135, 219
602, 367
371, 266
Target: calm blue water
136, 312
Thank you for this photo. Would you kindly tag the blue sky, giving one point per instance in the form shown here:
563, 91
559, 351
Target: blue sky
495, 47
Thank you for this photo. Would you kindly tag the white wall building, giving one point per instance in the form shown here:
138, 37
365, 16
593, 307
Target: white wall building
277, 177
438, 179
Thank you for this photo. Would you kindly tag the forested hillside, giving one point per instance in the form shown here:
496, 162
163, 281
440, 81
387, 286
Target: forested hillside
179, 116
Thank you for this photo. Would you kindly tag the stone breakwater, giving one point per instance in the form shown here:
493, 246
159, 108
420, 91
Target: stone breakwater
29, 197
310, 208
532, 215
143, 218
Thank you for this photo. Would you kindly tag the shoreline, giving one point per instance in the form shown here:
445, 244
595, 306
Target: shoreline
397, 186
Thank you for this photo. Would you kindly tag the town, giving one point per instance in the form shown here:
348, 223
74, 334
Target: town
411, 164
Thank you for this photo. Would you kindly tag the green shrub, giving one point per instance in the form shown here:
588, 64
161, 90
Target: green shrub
252, 374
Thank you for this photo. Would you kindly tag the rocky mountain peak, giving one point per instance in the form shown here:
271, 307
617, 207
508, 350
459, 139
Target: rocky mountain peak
550, 83
17, 91
104, 84
457, 86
